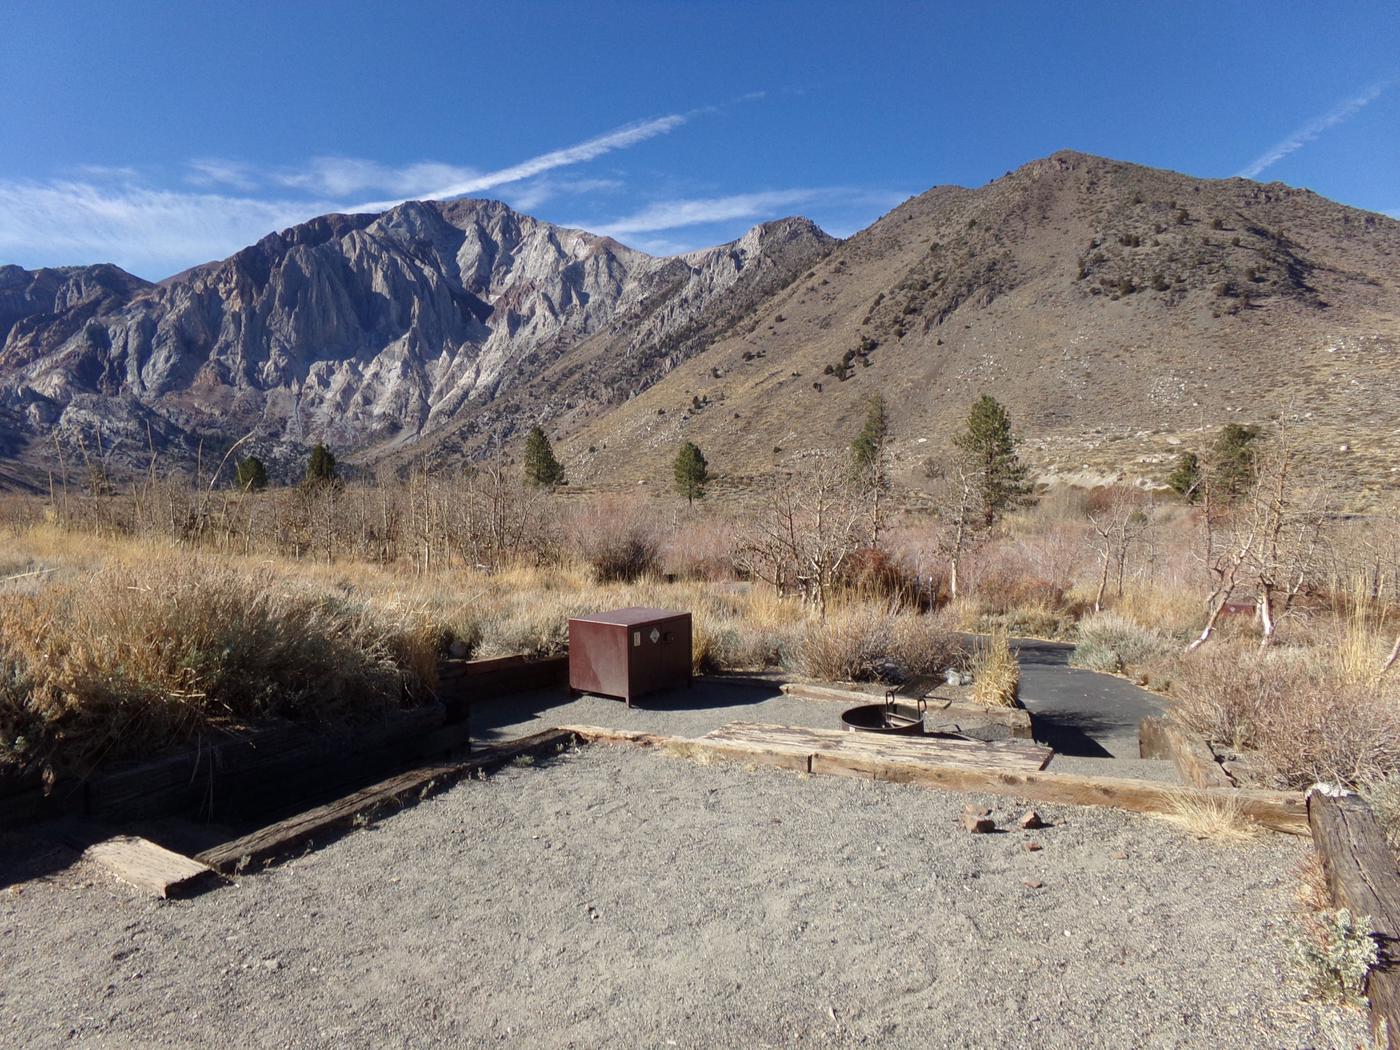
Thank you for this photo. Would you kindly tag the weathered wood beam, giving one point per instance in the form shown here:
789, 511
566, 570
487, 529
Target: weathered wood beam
403, 789
1017, 755
136, 861
1194, 759
1277, 810
1363, 877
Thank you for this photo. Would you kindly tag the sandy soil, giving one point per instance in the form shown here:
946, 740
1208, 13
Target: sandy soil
616, 897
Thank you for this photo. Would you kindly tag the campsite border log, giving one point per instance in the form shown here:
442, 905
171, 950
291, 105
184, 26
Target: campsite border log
1363, 877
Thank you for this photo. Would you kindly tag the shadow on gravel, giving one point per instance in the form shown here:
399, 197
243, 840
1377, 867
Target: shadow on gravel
1072, 733
25, 856
491, 715
707, 697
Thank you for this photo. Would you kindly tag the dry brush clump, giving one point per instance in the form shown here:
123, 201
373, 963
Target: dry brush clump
1112, 643
125, 660
1292, 712
871, 643
1002, 591
1220, 818
996, 673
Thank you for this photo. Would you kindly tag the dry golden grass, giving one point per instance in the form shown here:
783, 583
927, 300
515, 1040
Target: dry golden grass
996, 676
1175, 611
1217, 817
136, 642
1362, 635
124, 659
396, 562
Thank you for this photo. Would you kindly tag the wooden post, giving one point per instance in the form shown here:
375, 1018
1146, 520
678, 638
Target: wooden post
1362, 875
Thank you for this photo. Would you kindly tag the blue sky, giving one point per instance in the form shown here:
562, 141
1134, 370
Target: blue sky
159, 135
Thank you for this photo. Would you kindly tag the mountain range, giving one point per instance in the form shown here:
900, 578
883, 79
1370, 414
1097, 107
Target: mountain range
1120, 312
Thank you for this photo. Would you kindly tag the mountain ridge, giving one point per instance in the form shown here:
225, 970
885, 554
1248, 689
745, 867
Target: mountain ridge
1115, 308
363, 330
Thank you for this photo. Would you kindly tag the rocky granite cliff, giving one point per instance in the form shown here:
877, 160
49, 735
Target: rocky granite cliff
365, 331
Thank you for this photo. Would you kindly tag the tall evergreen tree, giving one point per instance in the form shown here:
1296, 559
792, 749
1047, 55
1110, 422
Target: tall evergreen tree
541, 468
320, 467
989, 448
1186, 479
1233, 464
691, 472
251, 474
869, 445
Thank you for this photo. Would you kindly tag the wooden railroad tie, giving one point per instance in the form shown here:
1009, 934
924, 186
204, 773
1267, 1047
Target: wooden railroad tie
1363, 877
994, 771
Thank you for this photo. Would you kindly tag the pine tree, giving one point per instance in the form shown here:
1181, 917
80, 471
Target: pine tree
320, 467
1186, 479
869, 446
541, 468
251, 474
691, 472
1233, 464
990, 451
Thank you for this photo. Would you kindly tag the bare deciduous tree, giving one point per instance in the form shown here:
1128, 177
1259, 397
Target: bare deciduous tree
1267, 544
814, 519
960, 516
1117, 529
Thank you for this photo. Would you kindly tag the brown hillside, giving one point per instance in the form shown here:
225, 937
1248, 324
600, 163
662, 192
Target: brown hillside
1116, 309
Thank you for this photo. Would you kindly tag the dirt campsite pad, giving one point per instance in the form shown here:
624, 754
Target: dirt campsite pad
618, 897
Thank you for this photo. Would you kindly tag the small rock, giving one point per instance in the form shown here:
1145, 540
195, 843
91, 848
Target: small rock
1031, 847
272, 964
458, 649
1032, 884
1031, 820
1120, 855
978, 821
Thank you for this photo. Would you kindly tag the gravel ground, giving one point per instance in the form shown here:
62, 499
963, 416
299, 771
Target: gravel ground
617, 897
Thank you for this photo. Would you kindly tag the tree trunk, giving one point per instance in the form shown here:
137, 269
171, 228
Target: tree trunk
1266, 618
1103, 586
1394, 655
1209, 628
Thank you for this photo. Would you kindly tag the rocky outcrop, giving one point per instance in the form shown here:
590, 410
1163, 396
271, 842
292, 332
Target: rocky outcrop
366, 331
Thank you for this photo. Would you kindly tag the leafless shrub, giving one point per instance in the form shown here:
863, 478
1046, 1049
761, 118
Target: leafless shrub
812, 522
1292, 712
872, 643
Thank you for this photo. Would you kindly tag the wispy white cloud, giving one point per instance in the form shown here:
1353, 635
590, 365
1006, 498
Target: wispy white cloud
591, 149
672, 214
770, 204
344, 177
215, 171
530, 194
1339, 114
120, 215
148, 231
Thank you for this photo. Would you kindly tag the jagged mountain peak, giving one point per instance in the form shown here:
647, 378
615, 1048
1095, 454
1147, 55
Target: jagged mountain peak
368, 330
